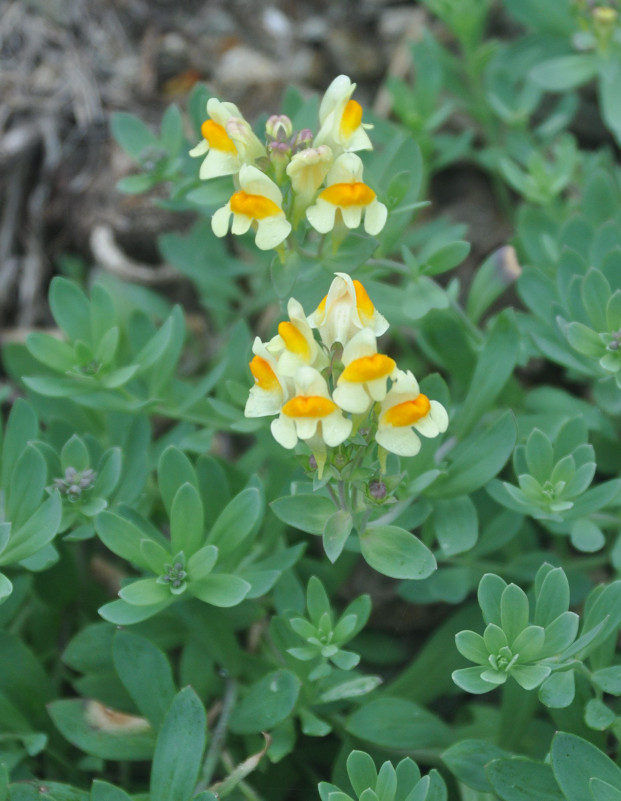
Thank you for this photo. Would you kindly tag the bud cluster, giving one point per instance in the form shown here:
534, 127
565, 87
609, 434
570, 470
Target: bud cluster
74, 483
294, 174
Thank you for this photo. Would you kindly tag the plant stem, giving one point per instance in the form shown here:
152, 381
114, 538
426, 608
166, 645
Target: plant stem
219, 735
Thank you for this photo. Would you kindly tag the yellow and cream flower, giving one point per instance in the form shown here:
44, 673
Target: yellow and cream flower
270, 390
307, 170
311, 415
405, 411
294, 345
344, 311
258, 202
348, 194
228, 141
364, 379
340, 118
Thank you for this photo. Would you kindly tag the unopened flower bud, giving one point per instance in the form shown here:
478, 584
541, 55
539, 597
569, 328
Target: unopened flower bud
312, 462
377, 490
303, 139
279, 127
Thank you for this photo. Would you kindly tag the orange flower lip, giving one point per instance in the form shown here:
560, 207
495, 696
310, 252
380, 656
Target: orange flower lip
351, 119
309, 406
348, 194
217, 137
294, 340
264, 376
256, 206
408, 412
368, 368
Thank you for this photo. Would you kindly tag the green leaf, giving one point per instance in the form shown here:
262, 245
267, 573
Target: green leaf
585, 536
558, 690
471, 680
26, 486
456, 525
54, 353
123, 614
602, 791
121, 537
132, 134
174, 469
268, 702
552, 597
446, 257
317, 601
108, 472
609, 679
220, 589
361, 771
477, 459
575, 761
6, 588
75, 454
304, 512
36, 532
421, 296
237, 521
493, 277
495, 365
513, 611
145, 673
179, 749
584, 340
598, 716
397, 724
22, 426
145, 592
609, 96
202, 562
395, 552
186, 521
539, 455
565, 72
103, 791
70, 308
521, 779
467, 760
336, 533
88, 726
349, 688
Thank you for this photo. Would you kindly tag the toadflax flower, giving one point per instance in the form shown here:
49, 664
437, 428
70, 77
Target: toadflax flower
269, 391
307, 170
348, 195
364, 379
344, 311
311, 415
295, 344
228, 141
258, 201
405, 411
341, 119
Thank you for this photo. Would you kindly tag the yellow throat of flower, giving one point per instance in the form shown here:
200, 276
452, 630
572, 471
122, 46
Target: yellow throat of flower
351, 119
309, 406
256, 206
294, 340
408, 412
365, 306
217, 137
368, 368
264, 376
348, 194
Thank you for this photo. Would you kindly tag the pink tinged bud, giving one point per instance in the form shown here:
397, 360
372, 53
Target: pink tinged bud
279, 127
303, 139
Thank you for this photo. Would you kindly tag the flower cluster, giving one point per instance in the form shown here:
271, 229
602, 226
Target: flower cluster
312, 385
294, 174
